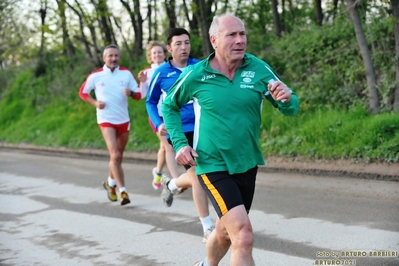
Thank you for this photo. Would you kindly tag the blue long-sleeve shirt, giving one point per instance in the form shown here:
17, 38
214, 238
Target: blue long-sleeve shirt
162, 80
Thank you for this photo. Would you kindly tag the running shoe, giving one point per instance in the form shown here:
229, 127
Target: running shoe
207, 234
110, 191
156, 182
167, 194
199, 263
124, 198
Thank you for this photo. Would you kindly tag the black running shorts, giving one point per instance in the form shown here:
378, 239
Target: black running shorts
227, 191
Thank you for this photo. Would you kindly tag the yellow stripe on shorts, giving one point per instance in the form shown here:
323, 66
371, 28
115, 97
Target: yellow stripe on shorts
215, 193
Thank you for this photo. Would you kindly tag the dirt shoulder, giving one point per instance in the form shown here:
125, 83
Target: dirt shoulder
338, 168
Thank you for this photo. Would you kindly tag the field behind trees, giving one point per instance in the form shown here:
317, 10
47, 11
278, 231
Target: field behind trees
347, 84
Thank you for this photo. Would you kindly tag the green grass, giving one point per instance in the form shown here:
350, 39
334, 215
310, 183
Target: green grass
334, 134
324, 134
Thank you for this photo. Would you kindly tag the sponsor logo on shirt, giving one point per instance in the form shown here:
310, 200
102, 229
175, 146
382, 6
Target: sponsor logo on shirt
247, 77
122, 83
171, 73
247, 86
208, 77
248, 74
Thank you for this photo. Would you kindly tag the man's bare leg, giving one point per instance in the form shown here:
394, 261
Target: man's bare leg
116, 146
199, 196
233, 228
161, 156
170, 157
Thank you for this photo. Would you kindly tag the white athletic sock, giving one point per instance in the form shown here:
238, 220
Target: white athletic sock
111, 182
206, 223
122, 189
204, 263
172, 185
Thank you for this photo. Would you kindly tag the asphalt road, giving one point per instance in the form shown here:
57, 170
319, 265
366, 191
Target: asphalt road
54, 211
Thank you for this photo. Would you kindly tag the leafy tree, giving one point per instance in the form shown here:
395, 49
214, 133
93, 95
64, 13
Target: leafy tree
374, 102
395, 8
68, 48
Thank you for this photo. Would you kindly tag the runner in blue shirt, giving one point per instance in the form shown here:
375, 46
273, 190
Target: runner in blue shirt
178, 45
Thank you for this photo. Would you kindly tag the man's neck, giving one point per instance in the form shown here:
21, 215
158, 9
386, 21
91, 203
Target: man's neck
112, 68
228, 68
179, 64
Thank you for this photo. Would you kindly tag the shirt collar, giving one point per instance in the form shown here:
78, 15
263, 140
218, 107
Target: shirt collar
212, 55
108, 69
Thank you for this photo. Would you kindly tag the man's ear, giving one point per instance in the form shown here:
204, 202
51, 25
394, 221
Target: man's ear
213, 41
169, 48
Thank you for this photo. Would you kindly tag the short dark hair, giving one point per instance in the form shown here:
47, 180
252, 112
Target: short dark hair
177, 32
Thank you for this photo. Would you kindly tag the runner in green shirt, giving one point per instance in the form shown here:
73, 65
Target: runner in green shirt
228, 89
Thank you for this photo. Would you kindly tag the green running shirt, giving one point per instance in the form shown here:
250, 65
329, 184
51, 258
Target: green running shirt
227, 113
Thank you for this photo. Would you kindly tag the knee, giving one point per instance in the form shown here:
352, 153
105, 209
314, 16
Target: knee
116, 157
244, 238
162, 148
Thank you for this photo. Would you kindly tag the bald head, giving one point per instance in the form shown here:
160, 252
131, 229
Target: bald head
219, 23
228, 37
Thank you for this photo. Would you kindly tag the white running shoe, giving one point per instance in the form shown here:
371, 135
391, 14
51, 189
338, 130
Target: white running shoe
167, 195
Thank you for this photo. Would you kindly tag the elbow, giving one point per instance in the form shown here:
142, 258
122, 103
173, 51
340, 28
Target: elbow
83, 96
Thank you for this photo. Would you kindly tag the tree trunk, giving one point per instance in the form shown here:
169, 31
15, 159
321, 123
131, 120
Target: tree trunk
68, 48
90, 24
170, 7
156, 12
318, 11
395, 8
335, 8
138, 34
293, 17
137, 23
283, 17
82, 36
41, 66
193, 23
261, 14
205, 18
374, 102
150, 23
276, 18
125, 42
103, 18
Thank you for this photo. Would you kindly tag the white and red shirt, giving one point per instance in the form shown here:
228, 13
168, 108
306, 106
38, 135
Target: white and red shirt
108, 87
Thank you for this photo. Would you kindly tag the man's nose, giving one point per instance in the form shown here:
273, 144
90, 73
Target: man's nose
240, 38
